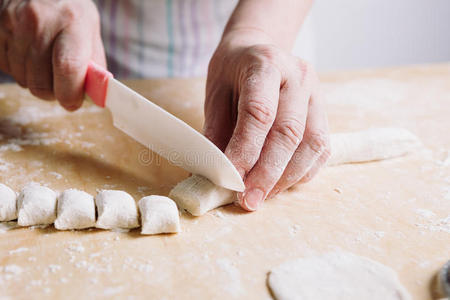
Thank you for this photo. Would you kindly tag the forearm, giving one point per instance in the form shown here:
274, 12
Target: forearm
268, 20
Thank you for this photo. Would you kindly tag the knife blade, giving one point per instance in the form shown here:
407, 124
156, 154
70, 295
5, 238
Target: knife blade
160, 131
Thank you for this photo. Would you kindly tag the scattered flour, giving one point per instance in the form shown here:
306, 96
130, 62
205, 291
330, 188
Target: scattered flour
218, 214
230, 277
440, 225
54, 268
294, 229
424, 213
111, 291
31, 114
379, 234
10, 272
75, 247
56, 174
13, 269
18, 250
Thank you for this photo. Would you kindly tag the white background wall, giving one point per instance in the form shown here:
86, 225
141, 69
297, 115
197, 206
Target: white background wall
352, 34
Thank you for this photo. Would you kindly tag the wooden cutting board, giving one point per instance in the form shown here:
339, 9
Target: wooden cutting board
396, 212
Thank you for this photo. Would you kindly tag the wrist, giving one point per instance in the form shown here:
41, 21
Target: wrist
245, 37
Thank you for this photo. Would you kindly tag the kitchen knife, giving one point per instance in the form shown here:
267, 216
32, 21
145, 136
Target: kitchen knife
159, 130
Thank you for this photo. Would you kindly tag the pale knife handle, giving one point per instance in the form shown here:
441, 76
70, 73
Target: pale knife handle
96, 83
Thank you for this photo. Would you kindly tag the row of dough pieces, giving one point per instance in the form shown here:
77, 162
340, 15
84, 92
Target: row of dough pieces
75, 209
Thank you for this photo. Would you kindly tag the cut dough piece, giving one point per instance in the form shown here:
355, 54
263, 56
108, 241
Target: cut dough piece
116, 209
159, 214
76, 210
198, 195
335, 276
8, 203
36, 205
372, 144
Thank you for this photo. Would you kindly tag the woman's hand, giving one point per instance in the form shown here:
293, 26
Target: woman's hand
263, 108
46, 46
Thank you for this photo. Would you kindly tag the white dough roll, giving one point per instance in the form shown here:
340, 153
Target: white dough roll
36, 205
116, 209
76, 210
159, 214
8, 203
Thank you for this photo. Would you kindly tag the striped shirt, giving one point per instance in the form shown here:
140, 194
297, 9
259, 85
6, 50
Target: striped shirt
161, 38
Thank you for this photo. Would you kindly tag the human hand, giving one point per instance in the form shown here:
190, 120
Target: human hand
46, 45
263, 109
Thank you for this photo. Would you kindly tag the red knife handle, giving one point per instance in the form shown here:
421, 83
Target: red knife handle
96, 83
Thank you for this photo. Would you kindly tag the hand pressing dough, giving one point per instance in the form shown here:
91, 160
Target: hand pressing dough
159, 214
36, 205
198, 195
8, 203
335, 276
372, 144
116, 209
76, 210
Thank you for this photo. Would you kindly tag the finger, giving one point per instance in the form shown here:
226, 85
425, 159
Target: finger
71, 55
39, 73
257, 106
281, 143
314, 150
218, 126
39, 61
18, 41
4, 64
315, 168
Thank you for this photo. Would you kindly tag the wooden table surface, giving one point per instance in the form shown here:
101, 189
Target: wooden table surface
396, 212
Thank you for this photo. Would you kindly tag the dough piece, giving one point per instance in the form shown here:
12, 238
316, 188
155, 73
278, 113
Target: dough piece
76, 210
372, 144
36, 205
159, 214
335, 276
198, 195
8, 203
116, 209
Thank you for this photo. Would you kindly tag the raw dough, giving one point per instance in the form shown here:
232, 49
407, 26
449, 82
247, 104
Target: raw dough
372, 144
159, 214
116, 209
198, 195
36, 205
76, 210
335, 276
8, 203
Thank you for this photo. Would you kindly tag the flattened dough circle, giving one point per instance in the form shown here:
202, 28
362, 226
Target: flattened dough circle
335, 276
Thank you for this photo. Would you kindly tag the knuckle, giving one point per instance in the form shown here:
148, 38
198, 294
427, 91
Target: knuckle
260, 112
67, 66
266, 53
261, 59
290, 131
29, 12
318, 142
69, 12
307, 73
